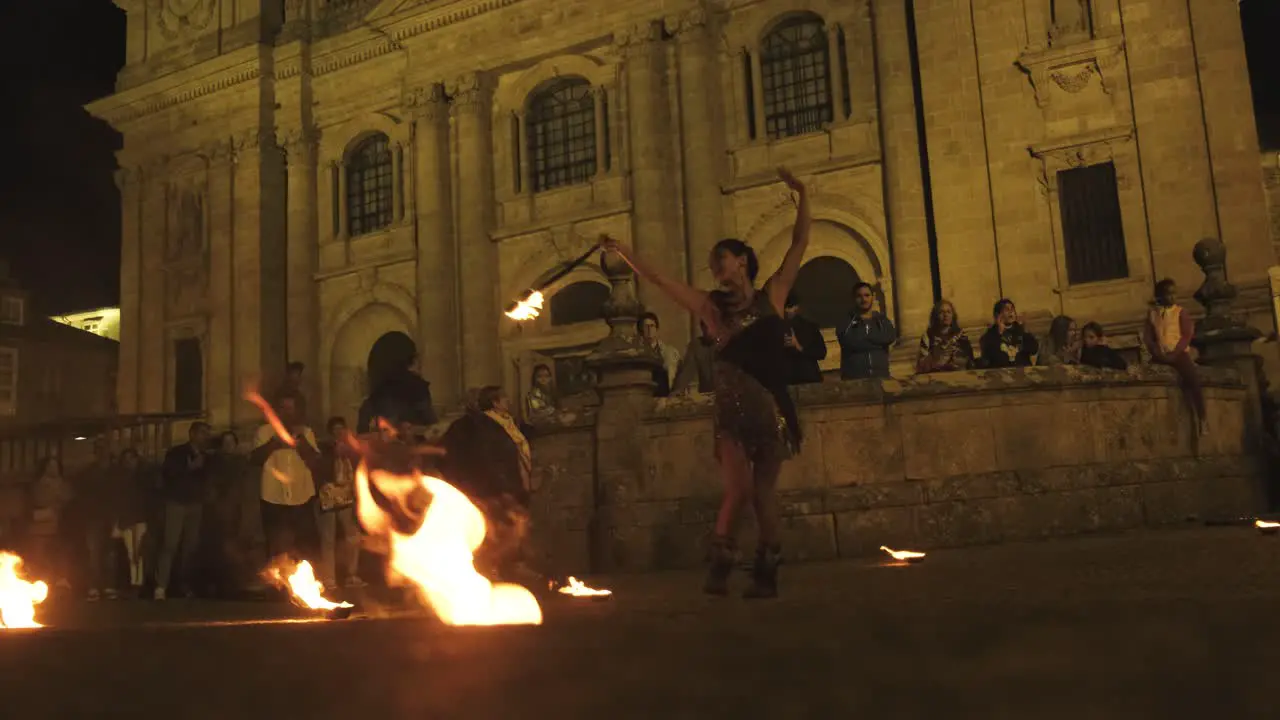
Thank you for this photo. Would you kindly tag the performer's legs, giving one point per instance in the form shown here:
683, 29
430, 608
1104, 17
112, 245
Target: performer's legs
735, 471
764, 574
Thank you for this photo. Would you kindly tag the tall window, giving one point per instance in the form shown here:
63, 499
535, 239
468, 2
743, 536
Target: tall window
369, 186
795, 73
11, 310
561, 127
580, 302
1092, 227
8, 381
188, 376
825, 288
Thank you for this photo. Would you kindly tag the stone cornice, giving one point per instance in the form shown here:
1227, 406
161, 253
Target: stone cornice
170, 90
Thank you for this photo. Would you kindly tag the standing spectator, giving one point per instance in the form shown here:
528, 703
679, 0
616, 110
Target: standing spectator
865, 341
337, 476
697, 366
287, 485
226, 556
540, 402
1062, 346
51, 495
130, 484
1167, 336
184, 482
292, 387
944, 347
805, 345
1096, 352
665, 378
94, 518
402, 397
1007, 343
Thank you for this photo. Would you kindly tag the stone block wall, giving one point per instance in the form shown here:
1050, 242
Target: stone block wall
936, 461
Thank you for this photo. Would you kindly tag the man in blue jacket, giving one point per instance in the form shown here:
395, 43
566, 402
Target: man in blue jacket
866, 339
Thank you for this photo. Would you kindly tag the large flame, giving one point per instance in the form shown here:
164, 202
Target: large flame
18, 597
304, 586
528, 308
438, 557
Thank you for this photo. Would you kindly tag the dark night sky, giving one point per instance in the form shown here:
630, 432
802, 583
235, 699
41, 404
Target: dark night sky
59, 213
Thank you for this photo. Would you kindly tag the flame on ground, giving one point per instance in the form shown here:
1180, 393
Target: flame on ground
577, 588
1266, 524
903, 555
438, 557
18, 596
528, 308
304, 587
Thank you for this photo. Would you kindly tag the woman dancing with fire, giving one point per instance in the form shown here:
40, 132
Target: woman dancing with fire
756, 427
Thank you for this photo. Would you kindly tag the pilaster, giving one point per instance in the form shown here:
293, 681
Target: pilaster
152, 353
301, 254
221, 393
130, 182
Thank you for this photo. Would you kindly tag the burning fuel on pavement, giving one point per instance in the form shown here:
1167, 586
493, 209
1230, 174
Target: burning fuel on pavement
18, 596
906, 556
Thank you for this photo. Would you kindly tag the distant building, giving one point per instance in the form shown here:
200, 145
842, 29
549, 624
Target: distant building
104, 322
50, 372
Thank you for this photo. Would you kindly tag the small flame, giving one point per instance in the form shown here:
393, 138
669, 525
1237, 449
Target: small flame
577, 588
528, 308
253, 397
1265, 524
903, 555
438, 557
18, 597
305, 588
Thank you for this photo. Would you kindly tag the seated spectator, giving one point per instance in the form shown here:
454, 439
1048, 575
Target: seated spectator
697, 367
805, 345
865, 341
1167, 337
1096, 352
540, 403
665, 379
944, 347
1062, 346
1007, 343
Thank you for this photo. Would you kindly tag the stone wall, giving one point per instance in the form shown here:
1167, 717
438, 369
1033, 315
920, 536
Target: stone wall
936, 461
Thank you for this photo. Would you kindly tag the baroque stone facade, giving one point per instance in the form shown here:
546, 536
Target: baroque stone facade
301, 178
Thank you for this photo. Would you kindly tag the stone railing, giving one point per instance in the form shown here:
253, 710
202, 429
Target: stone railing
936, 461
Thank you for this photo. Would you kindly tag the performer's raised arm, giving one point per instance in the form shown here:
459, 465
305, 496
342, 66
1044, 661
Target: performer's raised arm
780, 284
698, 302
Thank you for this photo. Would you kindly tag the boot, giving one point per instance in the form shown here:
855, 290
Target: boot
717, 582
764, 575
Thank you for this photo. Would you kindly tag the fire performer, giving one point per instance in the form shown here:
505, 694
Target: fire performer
756, 426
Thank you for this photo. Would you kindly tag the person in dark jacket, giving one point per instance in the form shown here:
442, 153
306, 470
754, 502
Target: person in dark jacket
185, 476
132, 481
401, 397
805, 345
865, 341
697, 365
1007, 343
1096, 352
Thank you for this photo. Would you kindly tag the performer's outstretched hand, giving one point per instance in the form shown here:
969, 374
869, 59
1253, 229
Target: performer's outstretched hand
791, 181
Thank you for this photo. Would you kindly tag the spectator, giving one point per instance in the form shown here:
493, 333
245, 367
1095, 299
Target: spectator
805, 345
94, 518
665, 379
227, 557
337, 477
130, 484
402, 398
51, 494
697, 367
1167, 336
540, 402
1062, 346
1006, 343
287, 484
1096, 352
184, 484
292, 387
865, 341
944, 347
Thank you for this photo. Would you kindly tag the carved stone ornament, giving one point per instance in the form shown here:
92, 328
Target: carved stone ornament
1071, 68
426, 101
297, 142
637, 37
1073, 80
686, 23
470, 91
186, 221
188, 287
175, 18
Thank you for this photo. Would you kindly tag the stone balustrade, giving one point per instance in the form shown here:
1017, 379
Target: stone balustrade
934, 461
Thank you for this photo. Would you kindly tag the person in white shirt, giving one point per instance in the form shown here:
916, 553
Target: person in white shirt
665, 379
288, 486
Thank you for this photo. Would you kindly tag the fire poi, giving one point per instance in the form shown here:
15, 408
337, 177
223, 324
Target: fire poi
18, 596
530, 303
306, 590
1266, 527
908, 556
576, 588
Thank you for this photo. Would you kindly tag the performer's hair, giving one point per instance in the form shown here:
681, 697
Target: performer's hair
739, 248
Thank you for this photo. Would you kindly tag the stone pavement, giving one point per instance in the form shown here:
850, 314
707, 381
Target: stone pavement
1181, 623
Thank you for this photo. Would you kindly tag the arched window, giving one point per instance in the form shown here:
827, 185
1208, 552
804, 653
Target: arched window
561, 127
825, 288
369, 185
795, 74
582, 301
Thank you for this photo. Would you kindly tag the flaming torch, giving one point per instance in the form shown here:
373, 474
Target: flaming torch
904, 556
18, 597
1266, 527
530, 302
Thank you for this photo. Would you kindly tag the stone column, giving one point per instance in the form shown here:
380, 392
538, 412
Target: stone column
129, 180
654, 226
438, 330
837, 72
525, 168
478, 256
900, 147
757, 96
302, 249
397, 182
602, 132
1225, 341
222, 393
861, 42
624, 367
152, 354
344, 225
702, 134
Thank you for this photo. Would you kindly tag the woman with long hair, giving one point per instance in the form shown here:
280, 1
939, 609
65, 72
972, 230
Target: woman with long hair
756, 427
1062, 346
944, 347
